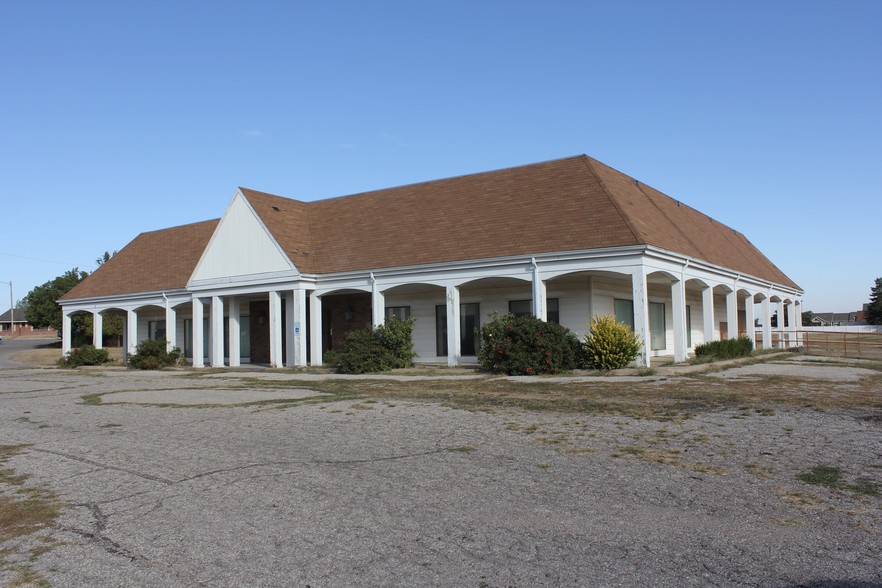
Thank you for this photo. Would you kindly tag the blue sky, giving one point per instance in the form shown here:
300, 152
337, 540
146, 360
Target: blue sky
122, 117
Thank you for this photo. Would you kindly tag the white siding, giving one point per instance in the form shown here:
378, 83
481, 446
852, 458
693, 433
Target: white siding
240, 246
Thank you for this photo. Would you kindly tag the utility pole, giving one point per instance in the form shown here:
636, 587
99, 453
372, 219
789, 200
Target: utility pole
11, 310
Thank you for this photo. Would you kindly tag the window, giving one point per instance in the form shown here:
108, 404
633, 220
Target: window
688, 326
625, 312
469, 325
402, 313
520, 307
525, 308
156, 329
657, 326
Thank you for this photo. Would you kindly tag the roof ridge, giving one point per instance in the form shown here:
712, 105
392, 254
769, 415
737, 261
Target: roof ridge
634, 232
445, 179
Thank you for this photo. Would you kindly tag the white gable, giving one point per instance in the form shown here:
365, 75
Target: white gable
241, 246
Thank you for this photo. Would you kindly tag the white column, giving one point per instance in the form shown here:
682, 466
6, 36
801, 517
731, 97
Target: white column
65, 334
590, 298
678, 313
275, 329
797, 324
793, 317
749, 319
378, 304
235, 331
454, 342
641, 313
767, 323
171, 327
707, 313
97, 330
540, 308
216, 352
198, 334
732, 313
131, 332
289, 329
315, 328
780, 328
299, 327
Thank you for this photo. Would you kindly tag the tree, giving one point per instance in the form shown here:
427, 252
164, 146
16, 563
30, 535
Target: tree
807, 317
104, 258
41, 308
874, 309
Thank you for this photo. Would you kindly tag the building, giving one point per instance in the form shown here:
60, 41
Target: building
838, 319
280, 281
19, 326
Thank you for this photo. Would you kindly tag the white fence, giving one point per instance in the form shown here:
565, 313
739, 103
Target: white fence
844, 329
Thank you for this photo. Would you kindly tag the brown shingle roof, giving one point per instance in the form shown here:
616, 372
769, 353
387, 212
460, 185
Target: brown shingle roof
153, 262
563, 205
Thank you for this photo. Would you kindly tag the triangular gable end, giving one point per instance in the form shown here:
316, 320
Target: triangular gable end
241, 247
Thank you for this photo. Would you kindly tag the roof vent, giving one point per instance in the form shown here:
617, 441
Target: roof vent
276, 208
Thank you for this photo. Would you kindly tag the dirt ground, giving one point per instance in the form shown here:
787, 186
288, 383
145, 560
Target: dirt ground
765, 474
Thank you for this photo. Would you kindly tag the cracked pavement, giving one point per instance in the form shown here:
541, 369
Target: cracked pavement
332, 493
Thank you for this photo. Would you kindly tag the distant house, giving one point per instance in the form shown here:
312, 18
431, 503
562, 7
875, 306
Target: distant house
281, 281
19, 326
838, 319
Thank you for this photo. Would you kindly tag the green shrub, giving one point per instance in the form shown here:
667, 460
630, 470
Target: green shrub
85, 355
387, 347
526, 345
609, 345
151, 354
728, 349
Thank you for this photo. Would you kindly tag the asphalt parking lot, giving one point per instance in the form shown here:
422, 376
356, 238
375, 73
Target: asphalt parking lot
388, 492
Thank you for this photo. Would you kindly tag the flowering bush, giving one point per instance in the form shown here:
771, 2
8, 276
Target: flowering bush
526, 345
609, 345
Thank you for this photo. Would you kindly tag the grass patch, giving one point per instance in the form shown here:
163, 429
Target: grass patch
758, 470
23, 509
673, 401
834, 478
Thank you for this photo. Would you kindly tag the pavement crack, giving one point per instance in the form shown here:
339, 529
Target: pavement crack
108, 545
104, 466
312, 461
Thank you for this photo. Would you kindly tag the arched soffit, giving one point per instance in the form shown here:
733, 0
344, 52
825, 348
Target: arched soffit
340, 291
497, 282
744, 294
77, 312
150, 307
603, 274
759, 297
788, 301
722, 289
414, 288
775, 298
661, 277
696, 285
180, 303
